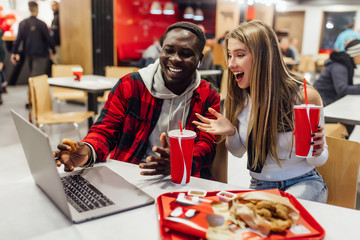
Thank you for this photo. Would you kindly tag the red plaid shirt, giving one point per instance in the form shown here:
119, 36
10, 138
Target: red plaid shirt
130, 115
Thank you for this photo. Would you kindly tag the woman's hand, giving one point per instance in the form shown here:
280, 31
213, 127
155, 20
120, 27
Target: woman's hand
219, 126
318, 141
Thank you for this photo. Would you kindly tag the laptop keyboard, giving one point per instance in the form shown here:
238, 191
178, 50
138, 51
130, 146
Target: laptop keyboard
82, 195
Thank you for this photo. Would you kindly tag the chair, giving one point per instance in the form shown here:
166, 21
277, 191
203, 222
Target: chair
219, 167
65, 94
306, 64
341, 171
42, 106
219, 55
115, 72
336, 130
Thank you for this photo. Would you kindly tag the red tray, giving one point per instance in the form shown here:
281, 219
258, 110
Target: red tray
166, 203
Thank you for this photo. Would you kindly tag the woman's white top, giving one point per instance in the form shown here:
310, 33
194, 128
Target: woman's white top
292, 166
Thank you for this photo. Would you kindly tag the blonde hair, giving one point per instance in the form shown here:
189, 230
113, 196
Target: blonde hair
273, 90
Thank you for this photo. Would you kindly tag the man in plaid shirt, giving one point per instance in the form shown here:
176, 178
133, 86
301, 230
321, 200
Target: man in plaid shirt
146, 104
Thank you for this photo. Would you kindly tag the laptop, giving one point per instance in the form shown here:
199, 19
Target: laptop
82, 194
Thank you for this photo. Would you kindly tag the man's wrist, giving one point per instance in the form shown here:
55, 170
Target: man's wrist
91, 160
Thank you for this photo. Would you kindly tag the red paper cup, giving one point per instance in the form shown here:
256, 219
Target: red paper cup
306, 122
77, 72
181, 155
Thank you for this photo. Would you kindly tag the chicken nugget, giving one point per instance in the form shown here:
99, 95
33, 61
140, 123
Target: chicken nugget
71, 143
266, 204
282, 211
265, 213
279, 225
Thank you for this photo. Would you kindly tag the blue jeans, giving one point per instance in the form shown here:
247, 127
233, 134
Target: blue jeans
310, 186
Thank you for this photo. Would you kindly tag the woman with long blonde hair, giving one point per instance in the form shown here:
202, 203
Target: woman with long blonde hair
259, 106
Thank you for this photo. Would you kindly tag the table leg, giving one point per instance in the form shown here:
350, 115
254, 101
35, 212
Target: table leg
92, 106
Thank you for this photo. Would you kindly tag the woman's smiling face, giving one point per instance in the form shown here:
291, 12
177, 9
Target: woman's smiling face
240, 62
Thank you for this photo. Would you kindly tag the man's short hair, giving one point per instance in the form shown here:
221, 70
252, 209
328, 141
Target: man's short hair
192, 28
33, 6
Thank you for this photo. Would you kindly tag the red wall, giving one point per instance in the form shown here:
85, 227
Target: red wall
136, 27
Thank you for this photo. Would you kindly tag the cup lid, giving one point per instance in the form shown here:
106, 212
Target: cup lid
184, 134
307, 105
77, 69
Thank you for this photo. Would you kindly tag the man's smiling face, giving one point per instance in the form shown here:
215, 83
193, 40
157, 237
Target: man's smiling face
179, 58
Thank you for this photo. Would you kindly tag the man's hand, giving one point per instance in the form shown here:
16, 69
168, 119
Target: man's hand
158, 164
72, 157
14, 58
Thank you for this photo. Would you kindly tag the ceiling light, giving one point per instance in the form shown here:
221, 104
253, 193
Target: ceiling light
169, 9
199, 15
329, 25
155, 8
189, 12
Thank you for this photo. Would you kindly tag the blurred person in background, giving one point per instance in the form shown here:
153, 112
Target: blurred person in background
336, 80
348, 33
294, 48
288, 54
207, 62
151, 53
55, 31
34, 36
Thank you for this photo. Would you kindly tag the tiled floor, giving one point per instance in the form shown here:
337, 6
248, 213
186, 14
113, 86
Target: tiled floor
10, 146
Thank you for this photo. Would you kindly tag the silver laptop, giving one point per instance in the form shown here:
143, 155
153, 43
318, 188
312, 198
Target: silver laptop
83, 194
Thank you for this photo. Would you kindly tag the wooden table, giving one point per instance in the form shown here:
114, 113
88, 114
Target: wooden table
94, 85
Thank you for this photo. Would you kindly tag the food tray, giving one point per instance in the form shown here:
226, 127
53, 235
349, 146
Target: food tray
171, 230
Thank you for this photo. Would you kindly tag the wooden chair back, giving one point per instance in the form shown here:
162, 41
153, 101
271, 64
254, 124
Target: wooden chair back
116, 72
60, 70
65, 94
119, 71
40, 96
219, 167
341, 171
306, 64
219, 55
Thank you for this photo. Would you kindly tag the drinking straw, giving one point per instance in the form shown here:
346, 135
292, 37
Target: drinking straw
181, 131
306, 99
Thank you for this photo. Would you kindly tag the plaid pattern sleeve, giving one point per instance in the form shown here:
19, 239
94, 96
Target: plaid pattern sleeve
126, 121
204, 97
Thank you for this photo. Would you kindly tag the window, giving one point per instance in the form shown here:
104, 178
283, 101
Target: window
334, 24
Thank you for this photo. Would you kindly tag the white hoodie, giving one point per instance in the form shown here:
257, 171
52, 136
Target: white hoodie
174, 108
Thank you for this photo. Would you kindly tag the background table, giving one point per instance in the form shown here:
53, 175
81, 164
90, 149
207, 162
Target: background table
94, 85
345, 110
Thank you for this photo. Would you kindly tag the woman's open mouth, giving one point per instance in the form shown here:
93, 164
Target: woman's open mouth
239, 76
